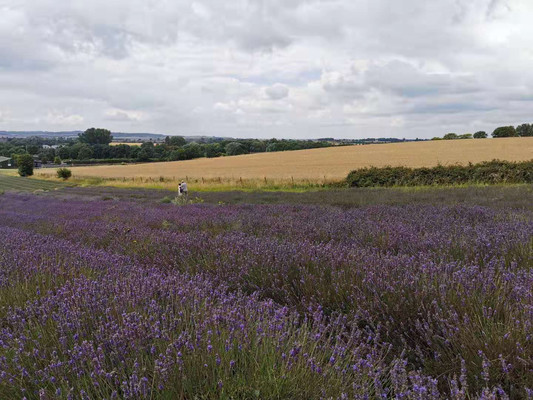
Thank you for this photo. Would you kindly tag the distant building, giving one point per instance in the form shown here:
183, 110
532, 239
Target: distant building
47, 146
37, 164
5, 162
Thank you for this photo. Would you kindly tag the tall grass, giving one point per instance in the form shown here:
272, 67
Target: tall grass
207, 184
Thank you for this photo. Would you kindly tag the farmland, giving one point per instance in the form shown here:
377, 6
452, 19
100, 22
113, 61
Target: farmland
126, 143
18, 184
305, 167
143, 300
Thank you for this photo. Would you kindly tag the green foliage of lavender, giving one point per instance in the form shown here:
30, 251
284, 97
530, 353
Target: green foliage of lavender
118, 299
490, 172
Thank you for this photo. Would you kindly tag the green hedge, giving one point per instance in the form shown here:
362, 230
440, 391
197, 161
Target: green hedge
490, 172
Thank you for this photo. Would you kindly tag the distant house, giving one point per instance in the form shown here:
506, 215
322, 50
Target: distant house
47, 146
37, 164
5, 162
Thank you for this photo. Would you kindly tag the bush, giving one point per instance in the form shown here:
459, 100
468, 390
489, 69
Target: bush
57, 160
25, 165
491, 172
64, 173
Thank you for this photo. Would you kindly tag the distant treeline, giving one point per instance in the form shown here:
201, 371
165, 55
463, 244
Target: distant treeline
490, 172
522, 130
93, 146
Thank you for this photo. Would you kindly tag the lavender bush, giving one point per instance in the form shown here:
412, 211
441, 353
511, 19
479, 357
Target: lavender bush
110, 299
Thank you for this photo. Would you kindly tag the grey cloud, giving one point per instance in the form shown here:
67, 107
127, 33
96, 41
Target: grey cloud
292, 68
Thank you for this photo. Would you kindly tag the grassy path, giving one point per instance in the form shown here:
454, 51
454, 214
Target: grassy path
19, 184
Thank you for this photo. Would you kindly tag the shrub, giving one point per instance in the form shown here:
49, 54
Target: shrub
490, 172
57, 160
25, 165
184, 200
64, 173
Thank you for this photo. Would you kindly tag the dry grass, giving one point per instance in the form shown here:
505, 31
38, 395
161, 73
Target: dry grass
294, 168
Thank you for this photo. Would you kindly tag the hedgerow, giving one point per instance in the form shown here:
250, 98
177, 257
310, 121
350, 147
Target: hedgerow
489, 172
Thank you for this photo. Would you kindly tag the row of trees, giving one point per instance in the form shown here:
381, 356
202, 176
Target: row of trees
502, 131
95, 144
510, 131
453, 136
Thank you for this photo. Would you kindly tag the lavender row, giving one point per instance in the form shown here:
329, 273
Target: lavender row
442, 292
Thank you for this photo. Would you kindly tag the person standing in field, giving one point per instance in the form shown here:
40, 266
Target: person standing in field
183, 188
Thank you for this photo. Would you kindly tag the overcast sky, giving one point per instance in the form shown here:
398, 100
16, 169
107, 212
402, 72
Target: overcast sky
267, 68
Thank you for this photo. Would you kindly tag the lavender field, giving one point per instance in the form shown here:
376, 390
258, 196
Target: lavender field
127, 300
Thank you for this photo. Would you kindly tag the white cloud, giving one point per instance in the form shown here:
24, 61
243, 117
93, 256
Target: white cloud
277, 91
292, 68
124, 115
59, 118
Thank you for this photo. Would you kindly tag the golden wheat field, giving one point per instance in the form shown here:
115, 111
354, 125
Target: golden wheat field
316, 165
126, 143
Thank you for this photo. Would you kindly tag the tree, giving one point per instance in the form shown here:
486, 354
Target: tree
32, 148
450, 136
175, 141
63, 152
96, 136
524, 130
25, 165
145, 154
465, 136
75, 149
85, 152
120, 151
213, 150
175, 155
480, 135
46, 155
147, 151
192, 150
504, 131
101, 151
234, 149
57, 160
257, 146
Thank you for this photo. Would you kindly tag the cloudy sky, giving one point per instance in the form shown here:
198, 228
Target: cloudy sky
267, 68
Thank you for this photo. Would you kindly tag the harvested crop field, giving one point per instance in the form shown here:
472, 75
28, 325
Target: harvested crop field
332, 163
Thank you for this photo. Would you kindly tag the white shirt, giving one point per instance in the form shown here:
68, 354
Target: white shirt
184, 187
